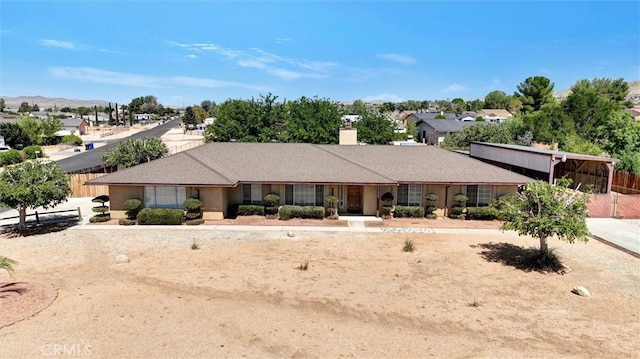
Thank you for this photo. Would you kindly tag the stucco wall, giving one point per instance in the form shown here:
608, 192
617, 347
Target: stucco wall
369, 200
120, 194
214, 203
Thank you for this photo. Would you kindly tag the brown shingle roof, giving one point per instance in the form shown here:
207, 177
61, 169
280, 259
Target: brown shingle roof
227, 164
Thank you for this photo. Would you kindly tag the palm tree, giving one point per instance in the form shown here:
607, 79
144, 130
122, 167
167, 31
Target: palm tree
7, 264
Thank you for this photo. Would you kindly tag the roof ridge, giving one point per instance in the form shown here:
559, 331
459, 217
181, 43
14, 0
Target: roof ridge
209, 167
353, 162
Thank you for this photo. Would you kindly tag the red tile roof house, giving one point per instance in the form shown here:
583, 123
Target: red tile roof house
223, 174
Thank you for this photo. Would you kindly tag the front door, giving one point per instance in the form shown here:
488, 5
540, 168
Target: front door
354, 199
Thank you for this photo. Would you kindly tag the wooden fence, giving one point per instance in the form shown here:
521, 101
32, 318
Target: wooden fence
40, 218
78, 189
625, 182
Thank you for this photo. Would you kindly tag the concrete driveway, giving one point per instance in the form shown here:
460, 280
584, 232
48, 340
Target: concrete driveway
620, 233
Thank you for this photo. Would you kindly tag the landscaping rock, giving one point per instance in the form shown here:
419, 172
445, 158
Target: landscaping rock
291, 234
581, 291
121, 258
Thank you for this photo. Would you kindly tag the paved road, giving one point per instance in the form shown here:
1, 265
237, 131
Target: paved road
93, 158
621, 233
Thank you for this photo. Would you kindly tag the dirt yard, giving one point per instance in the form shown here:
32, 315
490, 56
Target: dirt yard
240, 295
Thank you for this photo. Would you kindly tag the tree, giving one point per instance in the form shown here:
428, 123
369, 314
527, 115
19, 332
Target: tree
480, 132
534, 92
49, 128
33, 184
374, 129
475, 105
313, 120
189, 117
496, 100
207, 105
14, 135
32, 128
388, 107
458, 105
24, 108
2, 104
130, 152
543, 210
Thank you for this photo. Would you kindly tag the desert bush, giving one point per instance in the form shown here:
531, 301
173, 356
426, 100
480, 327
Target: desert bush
10, 157
482, 213
126, 222
160, 216
304, 265
288, 212
32, 152
72, 140
408, 245
194, 245
132, 207
408, 212
192, 208
250, 210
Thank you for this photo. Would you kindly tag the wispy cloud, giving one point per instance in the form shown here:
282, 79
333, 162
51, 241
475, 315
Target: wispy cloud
89, 74
57, 43
384, 97
399, 58
273, 64
73, 46
282, 40
192, 56
455, 88
362, 74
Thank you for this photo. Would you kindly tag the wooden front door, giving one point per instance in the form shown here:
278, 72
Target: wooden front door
354, 199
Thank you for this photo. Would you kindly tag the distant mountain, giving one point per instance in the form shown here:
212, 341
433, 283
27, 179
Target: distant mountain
634, 91
46, 102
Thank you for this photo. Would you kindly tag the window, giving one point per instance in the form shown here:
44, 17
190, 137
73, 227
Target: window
409, 195
304, 195
164, 197
479, 196
252, 194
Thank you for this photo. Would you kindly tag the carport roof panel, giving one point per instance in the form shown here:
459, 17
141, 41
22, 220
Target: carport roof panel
552, 153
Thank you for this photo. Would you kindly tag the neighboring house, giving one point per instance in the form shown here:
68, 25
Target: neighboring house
224, 174
433, 132
419, 116
39, 115
494, 115
73, 126
5, 117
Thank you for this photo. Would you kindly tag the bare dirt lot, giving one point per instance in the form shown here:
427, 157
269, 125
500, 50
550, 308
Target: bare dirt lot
240, 295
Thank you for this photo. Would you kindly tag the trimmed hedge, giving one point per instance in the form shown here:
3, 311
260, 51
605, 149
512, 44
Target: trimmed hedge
314, 212
30, 152
482, 213
98, 218
385, 211
456, 212
133, 207
194, 222
126, 222
408, 212
250, 210
160, 216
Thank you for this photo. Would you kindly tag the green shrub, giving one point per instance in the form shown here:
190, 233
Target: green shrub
482, 213
72, 140
100, 199
456, 212
10, 157
408, 212
431, 197
160, 216
192, 208
100, 209
314, 212
250, 210
32, 152
385, 211
460, 197
387, 197
270, 211
98, 218
126, 222
132, 207
194, 222
271, 199
431, 215
430, 209
408, 245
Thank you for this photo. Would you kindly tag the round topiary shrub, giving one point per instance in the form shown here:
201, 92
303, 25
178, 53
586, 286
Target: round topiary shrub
460, 197
271, 199
387, 197
431, 197
192, 204
132, 206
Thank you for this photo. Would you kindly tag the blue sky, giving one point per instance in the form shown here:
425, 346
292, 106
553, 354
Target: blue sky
184, 52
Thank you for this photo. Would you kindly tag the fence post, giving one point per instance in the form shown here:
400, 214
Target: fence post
79, 214
37, 218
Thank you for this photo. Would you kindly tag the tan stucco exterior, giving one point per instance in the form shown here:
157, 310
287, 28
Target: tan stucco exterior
120, 194
214, 203
370, 200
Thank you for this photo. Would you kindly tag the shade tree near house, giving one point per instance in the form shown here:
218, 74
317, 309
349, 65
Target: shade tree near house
545, 210
496, 100
31, 185
133, 152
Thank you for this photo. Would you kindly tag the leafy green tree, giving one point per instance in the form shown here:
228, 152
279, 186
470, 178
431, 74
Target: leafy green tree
2, 104
189, 117
130, 152
550, 124
475, 105
629, 161
479, 132
200, 113
135, 107
313, 120
496, 100
534, 92
388, 107
543, 210
32, 128
33, 184
49, 128
83, 111
14, 135
374, 129
458, 105
24, 108
207, 105
577, 144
